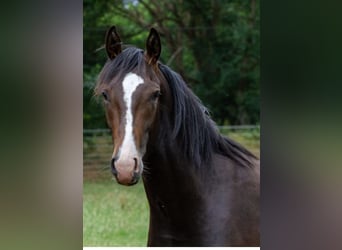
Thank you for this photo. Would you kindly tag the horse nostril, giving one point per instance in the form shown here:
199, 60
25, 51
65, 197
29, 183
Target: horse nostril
135, 165
114, 171
135, 178
114, 159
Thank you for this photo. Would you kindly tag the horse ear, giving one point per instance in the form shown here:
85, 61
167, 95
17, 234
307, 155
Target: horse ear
153, 46
113, 43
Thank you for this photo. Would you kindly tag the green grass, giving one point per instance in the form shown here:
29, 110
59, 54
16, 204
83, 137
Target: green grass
249, 138
115, 215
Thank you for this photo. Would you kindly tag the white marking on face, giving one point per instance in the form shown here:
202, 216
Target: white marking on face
128, 148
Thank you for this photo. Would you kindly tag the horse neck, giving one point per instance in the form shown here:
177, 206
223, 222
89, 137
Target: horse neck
166, 166
164, 161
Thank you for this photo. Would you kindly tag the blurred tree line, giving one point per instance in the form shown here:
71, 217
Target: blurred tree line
213, 44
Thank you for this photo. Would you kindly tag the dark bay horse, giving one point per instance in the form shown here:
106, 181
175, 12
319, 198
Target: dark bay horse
202, 188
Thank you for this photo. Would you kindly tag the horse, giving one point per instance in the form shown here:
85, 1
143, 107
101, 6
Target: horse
202, 188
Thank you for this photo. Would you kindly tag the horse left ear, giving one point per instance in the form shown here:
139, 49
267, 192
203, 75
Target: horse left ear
153, 47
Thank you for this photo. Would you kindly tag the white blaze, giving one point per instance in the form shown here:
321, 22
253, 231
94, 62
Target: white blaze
128, 148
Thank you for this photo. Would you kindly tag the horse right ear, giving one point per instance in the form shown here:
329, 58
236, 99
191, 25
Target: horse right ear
153, 47
113, 43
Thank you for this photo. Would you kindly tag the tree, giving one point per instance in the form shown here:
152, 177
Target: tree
213, 44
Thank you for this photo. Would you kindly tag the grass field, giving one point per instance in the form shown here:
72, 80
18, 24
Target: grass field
115, 215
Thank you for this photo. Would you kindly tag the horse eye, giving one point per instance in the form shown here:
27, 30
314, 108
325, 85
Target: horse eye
155, 95
104, 94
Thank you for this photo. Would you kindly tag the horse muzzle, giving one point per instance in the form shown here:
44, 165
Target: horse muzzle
126, 171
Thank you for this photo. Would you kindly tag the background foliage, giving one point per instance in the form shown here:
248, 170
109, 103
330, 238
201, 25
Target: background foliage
213, 44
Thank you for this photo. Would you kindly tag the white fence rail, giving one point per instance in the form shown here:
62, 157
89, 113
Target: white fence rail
97, 145
228, 127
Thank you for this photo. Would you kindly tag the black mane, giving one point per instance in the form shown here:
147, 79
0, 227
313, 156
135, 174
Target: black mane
195, 129
191, 125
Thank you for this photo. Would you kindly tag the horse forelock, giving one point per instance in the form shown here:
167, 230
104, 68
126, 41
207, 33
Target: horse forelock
129, 60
